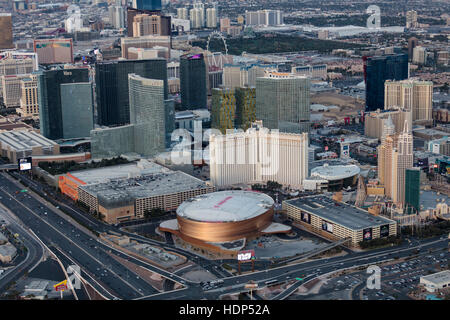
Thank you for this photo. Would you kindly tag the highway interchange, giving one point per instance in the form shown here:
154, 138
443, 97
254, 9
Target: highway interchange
74, 244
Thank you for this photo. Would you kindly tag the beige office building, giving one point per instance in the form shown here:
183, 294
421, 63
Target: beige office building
6, 31
11, 90
182, 13
211, 18
51, 51
196, 17
404, 160
29, 105
144, 53
144, 42
225, 23
411, 94
239, 76
419, 55
375, 122
144, 25
395, 155
257, 156
411, 19
234, 76
12, 66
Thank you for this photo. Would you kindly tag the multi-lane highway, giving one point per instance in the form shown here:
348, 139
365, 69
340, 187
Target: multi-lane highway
78, 245
35, 251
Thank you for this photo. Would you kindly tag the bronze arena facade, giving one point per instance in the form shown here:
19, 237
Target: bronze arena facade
224, 216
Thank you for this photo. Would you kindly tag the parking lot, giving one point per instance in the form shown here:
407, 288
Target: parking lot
400, 279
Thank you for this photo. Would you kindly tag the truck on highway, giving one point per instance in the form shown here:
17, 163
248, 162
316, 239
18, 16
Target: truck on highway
216, 282
271, 282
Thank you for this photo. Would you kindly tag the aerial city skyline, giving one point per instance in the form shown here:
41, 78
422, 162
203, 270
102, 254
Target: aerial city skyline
224, 150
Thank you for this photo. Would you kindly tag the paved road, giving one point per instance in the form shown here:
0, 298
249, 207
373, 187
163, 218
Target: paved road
236, 283
82, 247
284, 294
34, 251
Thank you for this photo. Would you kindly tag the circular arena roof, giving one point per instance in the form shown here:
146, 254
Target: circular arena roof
332, 173
225, 206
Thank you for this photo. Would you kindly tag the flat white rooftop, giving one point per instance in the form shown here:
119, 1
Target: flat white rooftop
438, 278
225, 206
123, 171
3, 238
343, 214
335, 172
8, 249
21, 140
150, 185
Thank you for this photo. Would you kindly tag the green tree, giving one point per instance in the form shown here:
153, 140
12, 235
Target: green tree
273, 185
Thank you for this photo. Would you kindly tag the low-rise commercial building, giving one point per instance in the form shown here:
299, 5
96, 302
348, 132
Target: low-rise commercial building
7, 252
315, 71
3, 238
127, 199
338, 220
337, 176
436, 281
126, 192
23, 143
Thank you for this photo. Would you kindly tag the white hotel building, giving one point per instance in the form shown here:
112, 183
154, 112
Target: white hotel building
257, 156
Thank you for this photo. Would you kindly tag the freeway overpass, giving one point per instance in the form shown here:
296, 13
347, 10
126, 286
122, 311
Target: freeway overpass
8, 167
317, 251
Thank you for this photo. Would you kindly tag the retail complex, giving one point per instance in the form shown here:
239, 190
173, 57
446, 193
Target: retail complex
125, 192
337, 220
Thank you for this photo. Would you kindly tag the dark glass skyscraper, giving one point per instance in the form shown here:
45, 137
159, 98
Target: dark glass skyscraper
412, 190
49, 98
378, 70
147, 4
193, 81
111, 80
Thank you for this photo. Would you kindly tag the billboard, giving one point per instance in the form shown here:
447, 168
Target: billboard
306, 217
327, 226
196, 57
422, 162
367, 234
24, 164
246, 255
345, 150
62, 286
384, 231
